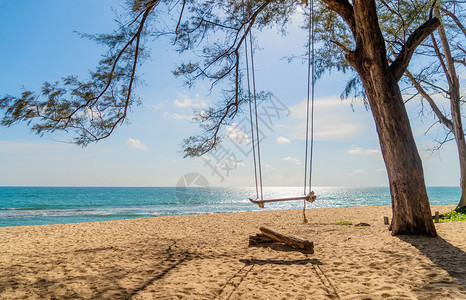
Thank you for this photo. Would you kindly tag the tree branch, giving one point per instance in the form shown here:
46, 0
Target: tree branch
179, 20
448, 57
136, 37
403, 58
455, 19
345, 10
341, 46
200, 145
444, 120
437, 87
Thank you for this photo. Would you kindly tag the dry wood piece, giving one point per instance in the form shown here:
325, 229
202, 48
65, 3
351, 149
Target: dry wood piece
385, 220
290, 240
362, 224
259, 239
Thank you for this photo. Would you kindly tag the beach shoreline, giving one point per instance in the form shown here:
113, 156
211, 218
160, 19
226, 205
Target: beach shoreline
208, 257
25, 206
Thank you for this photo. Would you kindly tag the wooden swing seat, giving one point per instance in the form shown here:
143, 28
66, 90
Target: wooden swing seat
309, 198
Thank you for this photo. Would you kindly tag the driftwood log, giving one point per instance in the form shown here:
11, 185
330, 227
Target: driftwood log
290, 240
259, 239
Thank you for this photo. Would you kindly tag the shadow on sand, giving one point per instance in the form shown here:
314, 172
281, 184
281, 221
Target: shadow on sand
262, 262
282, 247
445, 255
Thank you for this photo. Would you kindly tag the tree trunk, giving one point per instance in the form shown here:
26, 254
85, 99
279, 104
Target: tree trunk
459, 138
455, 126
410, 204
462, 202
455, 108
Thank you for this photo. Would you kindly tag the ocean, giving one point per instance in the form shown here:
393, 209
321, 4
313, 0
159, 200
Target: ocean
21, 206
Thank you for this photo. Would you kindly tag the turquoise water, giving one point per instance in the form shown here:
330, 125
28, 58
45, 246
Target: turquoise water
21, 206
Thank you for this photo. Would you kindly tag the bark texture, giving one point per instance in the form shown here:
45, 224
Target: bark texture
290, 240
411, 209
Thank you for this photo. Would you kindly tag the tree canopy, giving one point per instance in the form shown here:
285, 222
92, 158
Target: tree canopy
91, 108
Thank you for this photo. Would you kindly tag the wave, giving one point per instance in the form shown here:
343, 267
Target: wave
33, 206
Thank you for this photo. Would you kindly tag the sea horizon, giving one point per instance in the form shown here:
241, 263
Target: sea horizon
40, 205
170, 186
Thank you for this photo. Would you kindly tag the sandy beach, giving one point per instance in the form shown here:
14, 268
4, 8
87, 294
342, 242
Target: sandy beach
208, 257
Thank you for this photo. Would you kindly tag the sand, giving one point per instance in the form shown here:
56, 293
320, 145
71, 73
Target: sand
208, 257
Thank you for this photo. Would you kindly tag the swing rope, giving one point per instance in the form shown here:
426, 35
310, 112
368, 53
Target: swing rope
251, 119
255, 111
309, 107
309, 138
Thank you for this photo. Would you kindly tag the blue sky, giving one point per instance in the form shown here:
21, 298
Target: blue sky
39, 44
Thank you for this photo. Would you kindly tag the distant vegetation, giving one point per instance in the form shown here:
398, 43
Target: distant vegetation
455, 215
346, 223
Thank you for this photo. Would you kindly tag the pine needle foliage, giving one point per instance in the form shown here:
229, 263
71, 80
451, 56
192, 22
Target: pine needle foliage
213, 32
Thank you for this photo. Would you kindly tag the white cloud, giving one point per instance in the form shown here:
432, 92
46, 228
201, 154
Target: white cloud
92, 114
188, 102
177, 116
358, 172
292, 159
136, 144
381, 170
282, 140
236, 135
359, 151
334, 120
